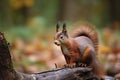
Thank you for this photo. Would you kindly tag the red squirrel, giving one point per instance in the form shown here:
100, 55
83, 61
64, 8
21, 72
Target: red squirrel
81, 47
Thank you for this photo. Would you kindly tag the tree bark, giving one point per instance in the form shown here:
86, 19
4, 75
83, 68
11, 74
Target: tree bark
7, 71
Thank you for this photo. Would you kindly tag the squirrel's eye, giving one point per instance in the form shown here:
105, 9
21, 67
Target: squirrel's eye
61, 37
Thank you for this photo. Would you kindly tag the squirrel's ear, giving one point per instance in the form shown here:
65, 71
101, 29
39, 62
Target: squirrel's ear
57, 27
64, 28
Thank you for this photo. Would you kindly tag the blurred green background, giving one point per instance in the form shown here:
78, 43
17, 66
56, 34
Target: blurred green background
29, 26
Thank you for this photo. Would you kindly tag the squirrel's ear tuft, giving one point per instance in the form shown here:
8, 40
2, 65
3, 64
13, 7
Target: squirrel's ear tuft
57, 27
64, 28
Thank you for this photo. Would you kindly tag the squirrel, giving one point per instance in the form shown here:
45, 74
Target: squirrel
81, 47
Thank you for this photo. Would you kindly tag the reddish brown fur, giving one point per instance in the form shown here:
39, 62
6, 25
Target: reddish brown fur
88, 30
74, 52
86, 52
82, 48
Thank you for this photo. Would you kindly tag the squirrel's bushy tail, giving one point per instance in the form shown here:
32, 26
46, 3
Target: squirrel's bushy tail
88, 30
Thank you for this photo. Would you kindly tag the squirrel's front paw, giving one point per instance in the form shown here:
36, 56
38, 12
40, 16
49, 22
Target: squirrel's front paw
82, 65
69, 65
66, 66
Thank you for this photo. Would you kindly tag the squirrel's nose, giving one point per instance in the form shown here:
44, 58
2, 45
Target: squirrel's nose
57, 42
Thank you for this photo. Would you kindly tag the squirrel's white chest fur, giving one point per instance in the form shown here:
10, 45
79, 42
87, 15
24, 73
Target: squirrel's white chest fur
65, 50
